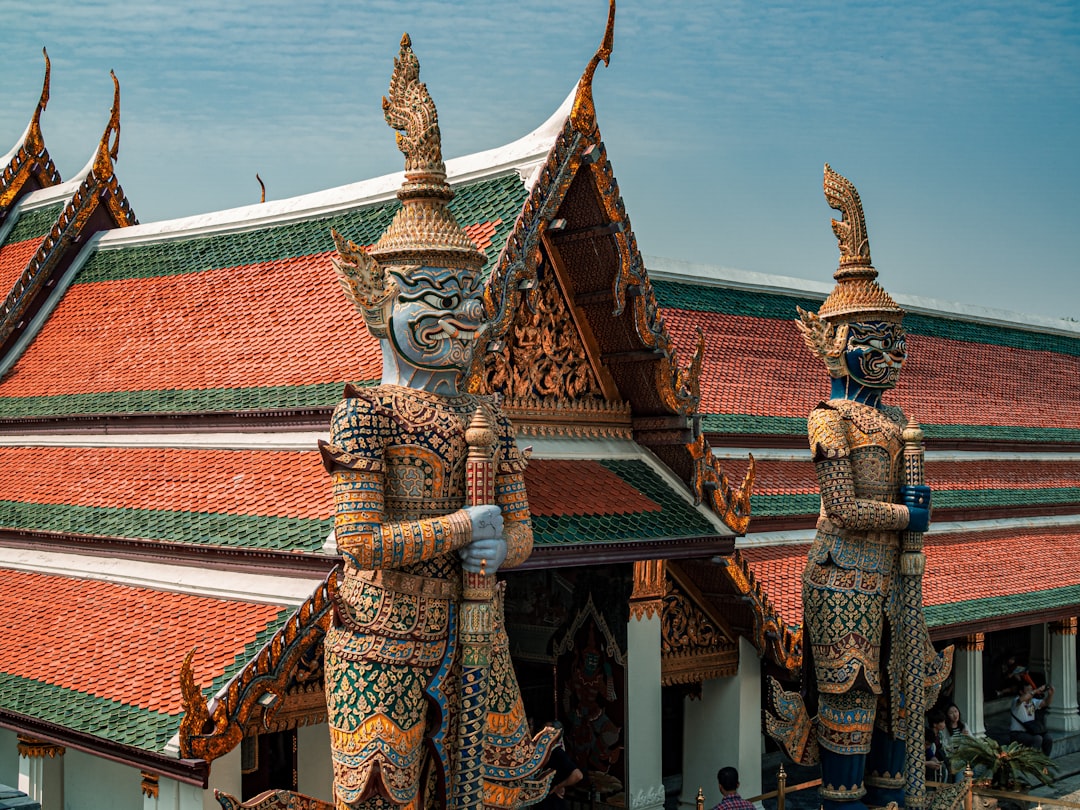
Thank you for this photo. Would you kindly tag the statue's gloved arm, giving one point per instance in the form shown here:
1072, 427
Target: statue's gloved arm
512, 498
837, 483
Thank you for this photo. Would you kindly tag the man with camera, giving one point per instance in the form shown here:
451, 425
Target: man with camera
1024, 726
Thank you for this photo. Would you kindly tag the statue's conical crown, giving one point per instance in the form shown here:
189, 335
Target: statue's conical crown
423, 232
857, 295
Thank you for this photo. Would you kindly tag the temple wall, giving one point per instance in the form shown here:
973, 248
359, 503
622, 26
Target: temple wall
9, 758
93, 783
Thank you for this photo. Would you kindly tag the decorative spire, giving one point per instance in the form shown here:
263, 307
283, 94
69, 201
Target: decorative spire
35, 142
107, 153
857, 295
583, 113
423, 231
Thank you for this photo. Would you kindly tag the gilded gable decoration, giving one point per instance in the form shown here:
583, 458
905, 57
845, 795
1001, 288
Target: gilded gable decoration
693, 645
711, 485
280, 688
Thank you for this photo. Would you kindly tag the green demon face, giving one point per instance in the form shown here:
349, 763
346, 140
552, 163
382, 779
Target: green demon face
875, 352
436, 317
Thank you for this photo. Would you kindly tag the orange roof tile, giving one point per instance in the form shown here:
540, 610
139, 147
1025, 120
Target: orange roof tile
13, 261
581, 487
119, 642
248, 482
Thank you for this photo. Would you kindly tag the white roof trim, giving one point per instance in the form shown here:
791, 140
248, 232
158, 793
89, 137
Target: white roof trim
714, 275
187, 579
522, 156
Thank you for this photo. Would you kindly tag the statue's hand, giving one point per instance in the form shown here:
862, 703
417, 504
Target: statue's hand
917, 500
487, 521
487, 546
488, 554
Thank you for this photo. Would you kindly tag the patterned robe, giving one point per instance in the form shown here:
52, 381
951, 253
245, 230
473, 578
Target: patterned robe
851, 584
397, 457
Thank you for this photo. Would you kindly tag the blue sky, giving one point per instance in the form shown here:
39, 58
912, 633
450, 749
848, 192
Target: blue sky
958, 122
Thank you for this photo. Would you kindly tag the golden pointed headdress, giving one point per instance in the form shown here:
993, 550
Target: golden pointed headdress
423, 232
857, 295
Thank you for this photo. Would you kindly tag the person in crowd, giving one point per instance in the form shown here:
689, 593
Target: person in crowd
1012, 676
1024, 725
954, 729
728, 780
567, 774
937, 760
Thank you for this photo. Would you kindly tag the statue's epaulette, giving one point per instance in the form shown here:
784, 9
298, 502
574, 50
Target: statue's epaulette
826, 432
333, 456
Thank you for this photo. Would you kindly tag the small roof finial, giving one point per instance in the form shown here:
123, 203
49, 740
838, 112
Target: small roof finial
583, 114
262, 185
35, 141
108, 152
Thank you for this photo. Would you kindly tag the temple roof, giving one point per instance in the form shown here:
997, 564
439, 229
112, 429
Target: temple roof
77, 670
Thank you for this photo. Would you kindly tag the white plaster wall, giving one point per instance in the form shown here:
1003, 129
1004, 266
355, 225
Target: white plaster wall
93, 783
173, 795
9, 758
225, 776
315, 772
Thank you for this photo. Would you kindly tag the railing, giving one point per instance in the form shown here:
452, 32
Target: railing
970, 791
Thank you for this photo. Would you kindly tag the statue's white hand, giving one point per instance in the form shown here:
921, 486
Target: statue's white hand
488, 548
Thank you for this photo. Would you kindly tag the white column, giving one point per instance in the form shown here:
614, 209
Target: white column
41, 772
968, 681
645, 783
314, 769
173, 795
724, 728
1062, 715
224, 776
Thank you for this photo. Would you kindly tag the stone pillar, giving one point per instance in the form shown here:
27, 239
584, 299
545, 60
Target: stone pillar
1062, 715
41, 772
644, 731
724, 728
968, 682
173, 795
315, 771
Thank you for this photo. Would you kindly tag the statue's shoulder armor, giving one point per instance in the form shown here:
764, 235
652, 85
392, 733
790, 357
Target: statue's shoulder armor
827, 432
358, 429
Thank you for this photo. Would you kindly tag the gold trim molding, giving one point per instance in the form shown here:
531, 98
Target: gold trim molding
33, 748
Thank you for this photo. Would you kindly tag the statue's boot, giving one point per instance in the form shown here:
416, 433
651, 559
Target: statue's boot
842, 781
885, 771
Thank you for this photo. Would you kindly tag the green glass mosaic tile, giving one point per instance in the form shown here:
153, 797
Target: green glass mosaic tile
108, 719
794, 426
810, 504
993, 607
173, 400
677, 518
483, 201
727, 301
198, 528
34, 224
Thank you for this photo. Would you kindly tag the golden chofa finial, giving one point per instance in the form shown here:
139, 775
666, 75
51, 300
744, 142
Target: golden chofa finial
262, 185
583, 113
108, 152
35, 142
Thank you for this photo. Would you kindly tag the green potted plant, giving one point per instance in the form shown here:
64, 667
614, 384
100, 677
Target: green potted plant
1004, 767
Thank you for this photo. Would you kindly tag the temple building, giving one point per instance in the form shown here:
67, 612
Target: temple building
166, 554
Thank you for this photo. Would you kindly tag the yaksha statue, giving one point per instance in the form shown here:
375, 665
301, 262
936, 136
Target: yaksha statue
400, 709
857, 636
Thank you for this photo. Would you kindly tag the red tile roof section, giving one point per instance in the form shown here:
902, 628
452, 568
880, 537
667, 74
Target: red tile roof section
118, 642
760, 366
959, 567
265, 483
581, 487
13, 261
276, 323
